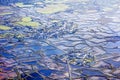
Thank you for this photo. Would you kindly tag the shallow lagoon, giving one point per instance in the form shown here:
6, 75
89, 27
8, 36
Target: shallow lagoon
59, 40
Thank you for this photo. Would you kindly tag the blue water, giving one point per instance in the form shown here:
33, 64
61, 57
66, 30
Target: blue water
36, 76
3, 40
7, 2
7, 55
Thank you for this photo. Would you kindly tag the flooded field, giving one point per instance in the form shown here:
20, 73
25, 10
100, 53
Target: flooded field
60, 40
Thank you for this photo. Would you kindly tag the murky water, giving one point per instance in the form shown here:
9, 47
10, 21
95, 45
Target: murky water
60, 39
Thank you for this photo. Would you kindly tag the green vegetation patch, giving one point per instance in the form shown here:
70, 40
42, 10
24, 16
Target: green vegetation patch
2, 27
5, 13
23, 5
52, 8
27, 21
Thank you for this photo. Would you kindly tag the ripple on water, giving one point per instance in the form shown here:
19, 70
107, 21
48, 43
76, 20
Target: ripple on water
7, 55
3, 41
113, 44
